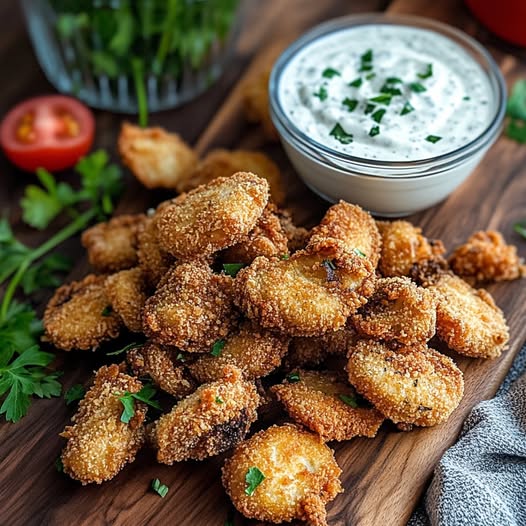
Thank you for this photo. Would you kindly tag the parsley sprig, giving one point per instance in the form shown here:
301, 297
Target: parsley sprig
127, 400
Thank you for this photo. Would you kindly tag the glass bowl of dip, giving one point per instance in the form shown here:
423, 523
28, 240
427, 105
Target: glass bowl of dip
390, 112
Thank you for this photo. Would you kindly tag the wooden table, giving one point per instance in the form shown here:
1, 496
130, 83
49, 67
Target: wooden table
384, 477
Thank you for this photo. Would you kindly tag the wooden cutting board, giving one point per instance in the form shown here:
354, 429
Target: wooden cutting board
383, 477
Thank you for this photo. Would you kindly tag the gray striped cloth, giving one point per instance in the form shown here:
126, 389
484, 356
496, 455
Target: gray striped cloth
481, 480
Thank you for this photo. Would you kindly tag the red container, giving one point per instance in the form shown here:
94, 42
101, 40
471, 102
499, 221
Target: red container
505, 18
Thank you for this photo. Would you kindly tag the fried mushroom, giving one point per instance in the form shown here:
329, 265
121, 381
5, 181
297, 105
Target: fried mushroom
299, 476
297, 236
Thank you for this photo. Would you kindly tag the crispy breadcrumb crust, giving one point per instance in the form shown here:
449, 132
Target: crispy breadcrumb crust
224, 163
191, 309
297, 235
404, 245
112, 246
267, 238
79, 315
312, 292
315, 402
212, 217
354, 227
99, 445
486, 257
468, 320
301, 476
412, 384
255, 351
158, 159
127, 291
213, 419
398, 310
162, 366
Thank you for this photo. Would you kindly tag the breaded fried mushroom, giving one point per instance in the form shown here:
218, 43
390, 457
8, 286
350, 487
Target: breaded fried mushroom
255, 351
312, 292
468, 319
224, 163
99, 443
325, 403
296, 471
354, 227
398, 310
191, 309
403, 245
80, 316
112, 246
486, 257
158, 159
297, 236
212, 217
163, 367
215, 418
413, 384
127, 291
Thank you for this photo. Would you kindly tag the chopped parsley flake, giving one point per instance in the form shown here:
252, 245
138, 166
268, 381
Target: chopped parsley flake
231, 269
520, 228
393, 80
390, 90
466, 98
219, 400
180, 357
293, 378
377, 115
253, 478
217, 348
417, 87
350, 104
370, 76
107, 311
367, 56
427, 73
330, 72
369, 108
128, 401
433, 138
349, 400
358, 252
407, 108
366, 66
356, 83
284, 257
322, 93
375, 130
160, 489
340, 134
384, 98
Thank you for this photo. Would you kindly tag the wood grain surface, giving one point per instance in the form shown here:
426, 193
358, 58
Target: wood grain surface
383, 477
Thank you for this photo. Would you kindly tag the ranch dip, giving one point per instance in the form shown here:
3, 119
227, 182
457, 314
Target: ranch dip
386, 92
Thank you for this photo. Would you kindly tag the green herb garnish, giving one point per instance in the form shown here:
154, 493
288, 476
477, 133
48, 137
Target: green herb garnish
284, 257
74, 393
377, 115
322, 93
520, 228
466, 98
516, 106
393, 80
340, 134
427, 73
217, 348
366, 61
390, 90
350, 104
329, 73
384, 98
516, 130
160, 489
219, 400
293, 378
330, 268
349, 400
433, 138
358, 252
375, 130
370, 76
59, 466
417, 87
407, 108
231, 269
107, 311
369, 109
253, 478
356, 83
128, 401
126, 348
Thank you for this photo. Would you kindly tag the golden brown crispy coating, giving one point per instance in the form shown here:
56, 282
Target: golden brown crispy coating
158, 159
191, 309
404, 245
354, 227
312, 351
79, 315
468, 319
486, 257
301, 476
154, 261
162, 366
127, 291
255, 351
224, 163
212, 217
312, 292
256, 103
267, 238
112, 246
297, 236
215, 418
412, 384
99, 444
398, 310
325, 403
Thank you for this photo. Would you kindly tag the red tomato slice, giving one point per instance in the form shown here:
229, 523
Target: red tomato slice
51, 132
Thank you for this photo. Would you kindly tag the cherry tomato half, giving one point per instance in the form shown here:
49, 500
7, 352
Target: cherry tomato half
50, 132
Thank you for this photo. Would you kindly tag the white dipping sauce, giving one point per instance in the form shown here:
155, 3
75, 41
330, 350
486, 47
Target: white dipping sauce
449, 93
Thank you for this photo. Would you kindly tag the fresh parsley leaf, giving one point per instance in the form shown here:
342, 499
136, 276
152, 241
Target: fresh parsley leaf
293, 378
219, 400
356, 83
367, 56
74, 393
160, 489
126, 348
377, 115
427, 73
128, 401
350, 104
217, 348
433, 138
358, 252
44, 274
181, 357
284, 257
12, 252
520, 228
407, 108
374, 131
349, 400
107, 311
384, 98
231, 269
417, 87
340, 134
329, 73
19, 330
366, 66
516, 106
322, 93
516, 130
254, 477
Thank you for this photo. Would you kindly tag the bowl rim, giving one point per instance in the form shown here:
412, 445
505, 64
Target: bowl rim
342, 161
